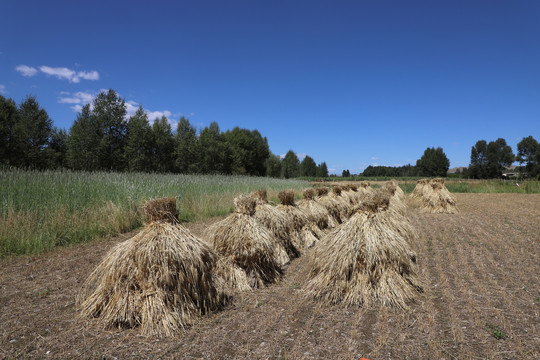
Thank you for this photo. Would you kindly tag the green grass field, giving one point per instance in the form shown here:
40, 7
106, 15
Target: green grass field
485, 186
42, 210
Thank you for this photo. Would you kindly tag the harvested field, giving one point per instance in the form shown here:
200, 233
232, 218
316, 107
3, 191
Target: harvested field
480, 270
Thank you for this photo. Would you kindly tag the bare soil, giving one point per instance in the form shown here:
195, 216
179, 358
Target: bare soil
480, 268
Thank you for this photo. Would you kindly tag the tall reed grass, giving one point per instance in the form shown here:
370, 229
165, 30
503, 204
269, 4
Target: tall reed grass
41, 210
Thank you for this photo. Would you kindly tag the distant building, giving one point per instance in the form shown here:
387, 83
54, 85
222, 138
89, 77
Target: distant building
458, 169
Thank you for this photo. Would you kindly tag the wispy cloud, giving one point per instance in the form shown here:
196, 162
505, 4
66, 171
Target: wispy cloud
27, 71
79, 99
2, 89
374, 158
68, 74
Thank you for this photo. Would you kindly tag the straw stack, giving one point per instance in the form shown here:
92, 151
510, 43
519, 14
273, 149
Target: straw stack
365, 261
248, 244
160, 280
298, 222
275, 221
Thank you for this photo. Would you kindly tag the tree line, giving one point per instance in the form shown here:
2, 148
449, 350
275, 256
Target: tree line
103, 138
491, 160
488, 161
433, 162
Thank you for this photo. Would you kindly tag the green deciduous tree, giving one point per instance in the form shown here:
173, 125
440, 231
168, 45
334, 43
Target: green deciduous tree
187, 148
215, 155
499, 157
32, 132
57, 149
8, 119
308, 167
83, 142
273, 166
479, 161
108, 113
433, 162
139, 142
529, 153
290, 165
249, 151
163, 145
322, 170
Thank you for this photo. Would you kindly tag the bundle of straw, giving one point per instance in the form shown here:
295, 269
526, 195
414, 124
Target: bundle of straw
315, 211
333, 213
247, 243
161, 280
275, 221
337, 205
419, 188
397, 201
437, 199
365, 262
317, 214
300, 234
352, 194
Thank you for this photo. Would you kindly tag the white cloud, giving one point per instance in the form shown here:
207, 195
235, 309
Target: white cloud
80, 98
374, 158
91, 75
152, 115
2, 89
375, 164
131, 108
27, 71
68, 74
77, 108
60, 72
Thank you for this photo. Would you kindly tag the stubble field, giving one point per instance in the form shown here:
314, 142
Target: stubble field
480, 270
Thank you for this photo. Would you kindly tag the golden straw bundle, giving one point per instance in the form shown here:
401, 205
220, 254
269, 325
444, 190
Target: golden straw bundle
365, 261
275, 221
317, 214
419, 188
247, 243
160, 280
437, 199
300, 234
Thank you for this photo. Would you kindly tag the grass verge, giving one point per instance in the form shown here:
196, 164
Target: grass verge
42, 210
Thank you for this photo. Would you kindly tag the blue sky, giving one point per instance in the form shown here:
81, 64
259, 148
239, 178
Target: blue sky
352, 83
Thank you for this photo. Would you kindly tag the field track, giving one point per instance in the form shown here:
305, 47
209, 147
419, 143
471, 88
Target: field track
481, 273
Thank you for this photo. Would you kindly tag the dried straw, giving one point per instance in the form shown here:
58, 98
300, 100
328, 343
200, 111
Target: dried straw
160, 280
351, 194
397, 201
317, 213
276, 221
247, 243
437, 199
365, 261
342, 203
419, 188
298, 221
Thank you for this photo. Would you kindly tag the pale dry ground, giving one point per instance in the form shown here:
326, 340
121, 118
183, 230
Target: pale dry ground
480, 269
